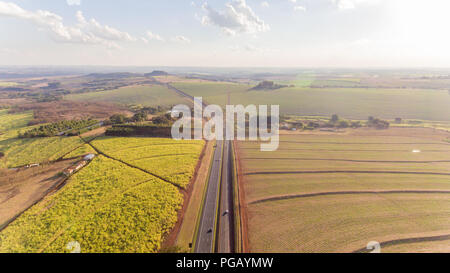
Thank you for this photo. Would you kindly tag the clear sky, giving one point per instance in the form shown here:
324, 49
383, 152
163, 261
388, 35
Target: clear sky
226, 33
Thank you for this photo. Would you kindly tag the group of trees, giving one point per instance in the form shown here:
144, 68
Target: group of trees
377, 123
165, 119
149, 109
141, 116
67, 127
151, 130
338, 123
122, 119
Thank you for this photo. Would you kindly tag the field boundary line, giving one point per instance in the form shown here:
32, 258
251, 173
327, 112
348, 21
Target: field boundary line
306, 195
343, 171
349, 150
135, 167
151, 145
348, 160
114, 196
159, 156
408, 241
366, 143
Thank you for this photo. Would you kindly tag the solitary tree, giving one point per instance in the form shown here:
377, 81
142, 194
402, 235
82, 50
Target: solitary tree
334, 118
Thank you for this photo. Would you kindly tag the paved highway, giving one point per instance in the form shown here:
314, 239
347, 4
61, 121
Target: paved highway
216, 229
225, 240
207, 228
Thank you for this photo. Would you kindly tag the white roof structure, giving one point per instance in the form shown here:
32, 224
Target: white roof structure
89, 157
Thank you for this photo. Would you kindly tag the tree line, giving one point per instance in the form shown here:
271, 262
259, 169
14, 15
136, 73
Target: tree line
66, 127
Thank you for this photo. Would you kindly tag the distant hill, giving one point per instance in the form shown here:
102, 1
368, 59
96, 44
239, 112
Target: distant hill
268, 85
157, 73
119, 75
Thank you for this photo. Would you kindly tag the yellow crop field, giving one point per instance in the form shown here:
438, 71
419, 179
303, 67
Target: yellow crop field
83, 150
19, 152
173, 160
106, 207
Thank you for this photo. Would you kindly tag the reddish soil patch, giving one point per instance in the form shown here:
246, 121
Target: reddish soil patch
20, 189
67, 110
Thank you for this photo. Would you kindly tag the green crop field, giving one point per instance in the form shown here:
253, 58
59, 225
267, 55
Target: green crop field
106, 207
19, 152
13, 121
212, 92
328, 193
352, 103
172, 160
337, 83
148, 95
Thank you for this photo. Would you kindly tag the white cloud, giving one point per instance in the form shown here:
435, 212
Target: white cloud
352, 4
153, 36
265, 4
85, 32
293, 1
181, 39
299, 8
73, 2
103, 31
237, 17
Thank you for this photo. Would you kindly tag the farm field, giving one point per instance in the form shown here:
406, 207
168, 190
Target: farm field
344, 223
148, 95
81, 151
419, 247
19, 189
335, 193
14, 121
172, 160
352, 103
20, 152
212, 92
106, 207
